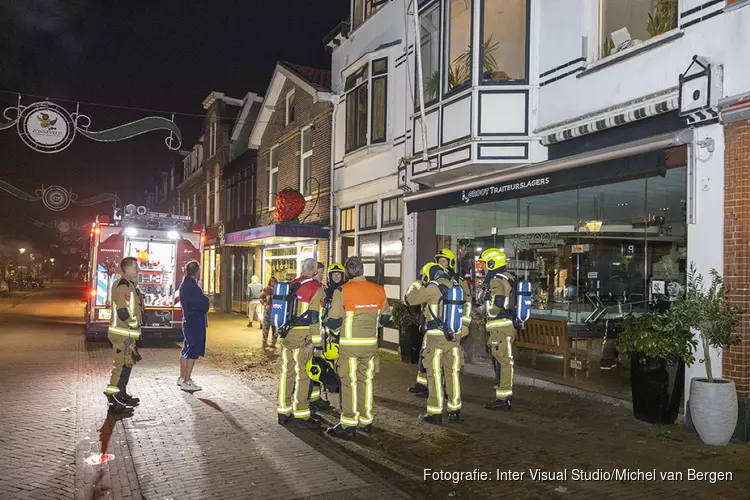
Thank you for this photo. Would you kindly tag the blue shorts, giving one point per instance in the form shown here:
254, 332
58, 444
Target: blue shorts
194, 346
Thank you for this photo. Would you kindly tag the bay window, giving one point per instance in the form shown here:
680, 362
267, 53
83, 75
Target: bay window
624, 24
366, 105
429, 38
458, 44
503, 51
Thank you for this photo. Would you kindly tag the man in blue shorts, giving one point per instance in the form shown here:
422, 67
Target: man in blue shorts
195, 307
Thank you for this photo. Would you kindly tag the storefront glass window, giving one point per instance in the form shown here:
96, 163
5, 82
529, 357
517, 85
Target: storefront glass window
592, 254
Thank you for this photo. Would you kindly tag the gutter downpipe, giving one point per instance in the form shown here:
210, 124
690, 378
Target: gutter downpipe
332, 237
420, 74
531, 169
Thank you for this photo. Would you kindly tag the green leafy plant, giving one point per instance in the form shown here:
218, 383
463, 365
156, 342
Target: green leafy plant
459, 71
404, 317
662, 18
607, 47
650, 335
706, 311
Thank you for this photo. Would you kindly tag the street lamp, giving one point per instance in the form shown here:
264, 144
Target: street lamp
52, 261
22, 250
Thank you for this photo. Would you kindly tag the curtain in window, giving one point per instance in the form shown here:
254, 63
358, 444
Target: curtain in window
379, 107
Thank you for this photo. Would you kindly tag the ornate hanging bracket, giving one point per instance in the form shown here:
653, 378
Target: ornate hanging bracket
57, 198
47, 127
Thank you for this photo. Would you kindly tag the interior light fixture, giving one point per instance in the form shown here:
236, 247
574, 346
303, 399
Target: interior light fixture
593, 226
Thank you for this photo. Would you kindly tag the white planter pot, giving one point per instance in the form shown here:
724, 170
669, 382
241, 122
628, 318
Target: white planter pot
713, 409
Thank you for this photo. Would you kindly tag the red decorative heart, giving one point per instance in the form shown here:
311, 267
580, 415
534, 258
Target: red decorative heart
289, 205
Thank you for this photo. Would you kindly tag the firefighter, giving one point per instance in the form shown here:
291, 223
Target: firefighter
329, 338
447, 259
442, 352
124, 330
499, 321
297, 349
358, 308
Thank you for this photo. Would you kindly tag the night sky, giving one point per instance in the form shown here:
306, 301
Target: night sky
162, 55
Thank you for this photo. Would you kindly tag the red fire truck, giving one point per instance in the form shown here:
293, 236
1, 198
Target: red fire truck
163, 244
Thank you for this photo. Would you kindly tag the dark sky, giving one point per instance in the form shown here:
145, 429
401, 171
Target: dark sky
162, 55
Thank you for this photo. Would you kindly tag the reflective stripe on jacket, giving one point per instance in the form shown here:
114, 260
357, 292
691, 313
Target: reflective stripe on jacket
360, 304
126, 296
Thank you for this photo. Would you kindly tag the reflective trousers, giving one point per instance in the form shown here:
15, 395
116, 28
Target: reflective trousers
357, 372
443, 378
421, 373
120, 375
294, 385
501, 348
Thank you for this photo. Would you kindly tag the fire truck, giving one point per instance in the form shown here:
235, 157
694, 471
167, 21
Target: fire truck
163, 244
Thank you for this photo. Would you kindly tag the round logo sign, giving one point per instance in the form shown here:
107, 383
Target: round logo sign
46, 127
63, 227
56, 198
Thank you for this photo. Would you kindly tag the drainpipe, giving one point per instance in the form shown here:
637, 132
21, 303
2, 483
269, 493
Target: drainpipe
332, 237
420, 81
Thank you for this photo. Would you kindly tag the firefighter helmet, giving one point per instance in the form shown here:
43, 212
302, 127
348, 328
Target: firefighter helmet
313, 370
447, 254
433, 271
331, 349
336, 268
493, 259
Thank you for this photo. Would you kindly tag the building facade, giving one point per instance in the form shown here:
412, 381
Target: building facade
292, 136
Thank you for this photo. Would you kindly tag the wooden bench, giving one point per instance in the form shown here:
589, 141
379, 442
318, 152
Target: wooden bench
550, 336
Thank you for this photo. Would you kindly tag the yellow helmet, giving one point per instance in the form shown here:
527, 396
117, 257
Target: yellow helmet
446, 253
331, 350
493, 259
432, 271
313, 370
337, 268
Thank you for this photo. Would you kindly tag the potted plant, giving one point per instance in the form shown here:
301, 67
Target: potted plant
663, 18
712, 401
658, 356
459, 71
407, 320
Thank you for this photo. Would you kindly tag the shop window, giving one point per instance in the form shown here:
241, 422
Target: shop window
366, 105
306, 159
458, 44
273, 177
290, 103
503, 51
392, 211
368, 216
347, 220
625, 24
362, 10
430, 40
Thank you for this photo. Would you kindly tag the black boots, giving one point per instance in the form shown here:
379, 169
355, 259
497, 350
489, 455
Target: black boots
128, 399
498, 405
284, 419
454, 417
367, 429
306, 423
320, 405
339, 431
428, 418
117, 406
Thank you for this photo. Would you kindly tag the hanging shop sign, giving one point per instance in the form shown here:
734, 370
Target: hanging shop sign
57, 198
47, 127
608, 172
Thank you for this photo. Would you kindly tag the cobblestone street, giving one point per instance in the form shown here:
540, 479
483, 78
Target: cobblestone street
223, 442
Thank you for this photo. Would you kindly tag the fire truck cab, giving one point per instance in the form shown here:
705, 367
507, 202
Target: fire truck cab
163, 244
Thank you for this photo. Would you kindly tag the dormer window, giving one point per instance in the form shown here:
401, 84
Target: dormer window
290, 103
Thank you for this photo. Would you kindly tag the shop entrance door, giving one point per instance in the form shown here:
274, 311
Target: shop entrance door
241, 271
381, 256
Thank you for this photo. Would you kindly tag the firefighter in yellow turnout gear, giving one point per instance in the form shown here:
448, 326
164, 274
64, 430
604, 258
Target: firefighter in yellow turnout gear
442, 357
447, 259
358, 308
124, 330
499, 323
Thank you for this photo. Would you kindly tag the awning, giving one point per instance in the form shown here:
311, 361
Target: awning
621, 162
276, 234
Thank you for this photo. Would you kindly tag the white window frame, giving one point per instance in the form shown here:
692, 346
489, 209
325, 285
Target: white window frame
273, 152
375, 8
302, 156
287, 108
369, 81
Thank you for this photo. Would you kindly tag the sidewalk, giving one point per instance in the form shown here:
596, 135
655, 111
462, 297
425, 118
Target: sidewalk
547, 430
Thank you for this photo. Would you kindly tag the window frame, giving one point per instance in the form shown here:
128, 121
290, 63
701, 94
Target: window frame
289, 111
445, 52
360, 218
368, 81
374, 5
441, 35
302, 156
399, 210
527, 55
272, 153
353, 229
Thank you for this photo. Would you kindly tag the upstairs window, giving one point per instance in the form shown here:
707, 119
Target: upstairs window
347, 220
290, 102
503, 51
368, 216
625, 24
366, 94
392, 211
458, 44
362, 10
306, 152
430, 40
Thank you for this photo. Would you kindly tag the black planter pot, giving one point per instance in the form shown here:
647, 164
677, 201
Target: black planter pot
657, 389
410, 341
